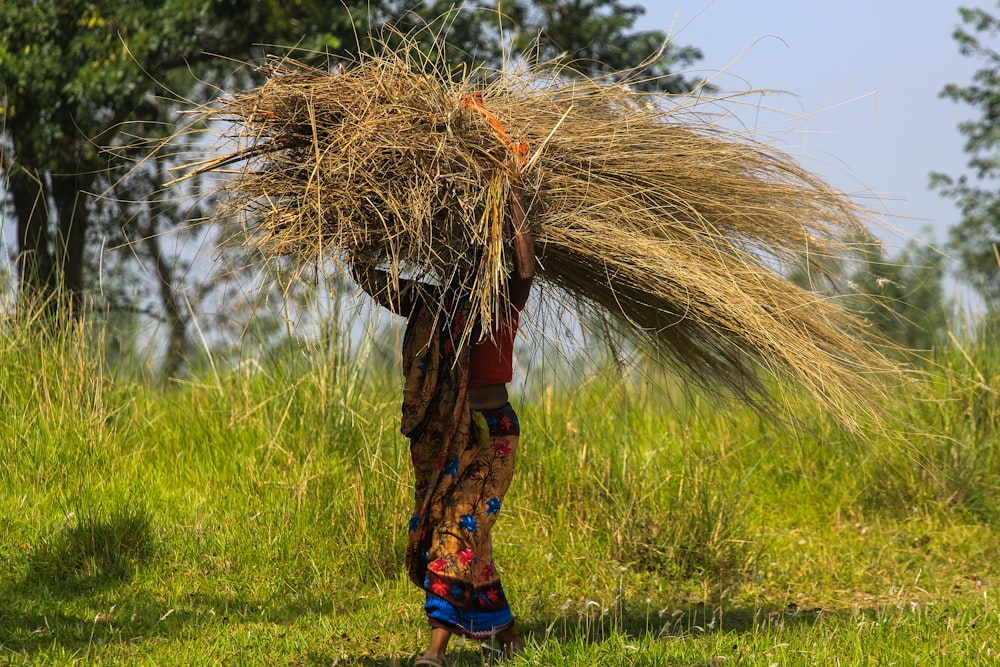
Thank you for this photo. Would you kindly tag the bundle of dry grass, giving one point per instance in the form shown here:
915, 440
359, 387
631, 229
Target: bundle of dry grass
676, 230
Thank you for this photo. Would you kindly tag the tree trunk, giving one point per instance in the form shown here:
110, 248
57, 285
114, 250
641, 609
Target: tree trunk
36, 265
68, 192
51, 232
173, 312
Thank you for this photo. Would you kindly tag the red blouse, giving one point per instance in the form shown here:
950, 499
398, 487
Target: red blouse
492, 359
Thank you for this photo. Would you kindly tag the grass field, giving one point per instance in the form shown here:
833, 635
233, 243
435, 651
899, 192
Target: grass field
258, 517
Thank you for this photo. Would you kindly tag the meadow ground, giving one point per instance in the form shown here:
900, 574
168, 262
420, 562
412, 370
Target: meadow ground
257, 516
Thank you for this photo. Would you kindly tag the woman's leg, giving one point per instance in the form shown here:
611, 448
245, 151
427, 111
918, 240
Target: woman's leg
464, 592
439, 644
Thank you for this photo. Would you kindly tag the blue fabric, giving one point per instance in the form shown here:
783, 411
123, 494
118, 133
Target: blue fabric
476, 624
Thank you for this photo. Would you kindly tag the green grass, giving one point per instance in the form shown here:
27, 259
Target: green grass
258, 518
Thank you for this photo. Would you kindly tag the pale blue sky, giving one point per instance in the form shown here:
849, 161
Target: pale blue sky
862, 80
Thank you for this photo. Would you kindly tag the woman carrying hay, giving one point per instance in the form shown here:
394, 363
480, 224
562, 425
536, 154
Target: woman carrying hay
463, 436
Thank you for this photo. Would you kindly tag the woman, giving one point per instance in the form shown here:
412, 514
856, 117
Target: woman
463, 443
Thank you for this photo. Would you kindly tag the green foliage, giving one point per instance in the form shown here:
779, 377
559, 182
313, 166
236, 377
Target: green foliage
976, 240
80, 80
903, 295
592, 37
951, 456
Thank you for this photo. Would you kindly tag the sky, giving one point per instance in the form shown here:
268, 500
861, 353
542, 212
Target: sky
861, 79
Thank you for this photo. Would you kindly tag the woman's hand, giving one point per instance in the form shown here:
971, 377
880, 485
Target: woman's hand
388, 290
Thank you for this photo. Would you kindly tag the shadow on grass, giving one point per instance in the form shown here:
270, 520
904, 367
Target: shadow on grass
91, 554
38, 619
682, 622
74, 592
692, 621
94, 551
38, 626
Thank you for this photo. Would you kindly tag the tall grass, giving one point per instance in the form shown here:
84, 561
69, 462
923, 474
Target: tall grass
950, 457
257, 516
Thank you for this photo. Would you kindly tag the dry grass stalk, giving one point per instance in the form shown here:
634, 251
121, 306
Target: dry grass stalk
679, 232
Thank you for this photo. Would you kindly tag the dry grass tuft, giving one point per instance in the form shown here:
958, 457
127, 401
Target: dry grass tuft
677, 231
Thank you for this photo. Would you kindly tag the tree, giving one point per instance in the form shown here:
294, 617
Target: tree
74, 72
592, 37
588, 37
903, 296
79, 79
976, 240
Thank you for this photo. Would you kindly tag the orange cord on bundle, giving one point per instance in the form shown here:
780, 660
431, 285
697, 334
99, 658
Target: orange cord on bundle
474, 101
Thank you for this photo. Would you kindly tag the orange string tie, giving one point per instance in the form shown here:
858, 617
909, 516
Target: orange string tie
474, 101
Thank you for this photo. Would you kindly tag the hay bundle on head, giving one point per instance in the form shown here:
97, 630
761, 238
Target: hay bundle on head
675, 230
377, 164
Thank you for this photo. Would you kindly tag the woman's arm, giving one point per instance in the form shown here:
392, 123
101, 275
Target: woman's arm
395, 294
524, 246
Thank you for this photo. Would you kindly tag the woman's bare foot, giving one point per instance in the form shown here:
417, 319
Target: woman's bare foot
511, 643
435, 652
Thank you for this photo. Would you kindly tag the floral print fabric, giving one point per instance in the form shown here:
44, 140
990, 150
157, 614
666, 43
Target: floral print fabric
463, 463
456, 550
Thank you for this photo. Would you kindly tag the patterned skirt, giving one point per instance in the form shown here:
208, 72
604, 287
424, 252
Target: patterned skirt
449, 553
